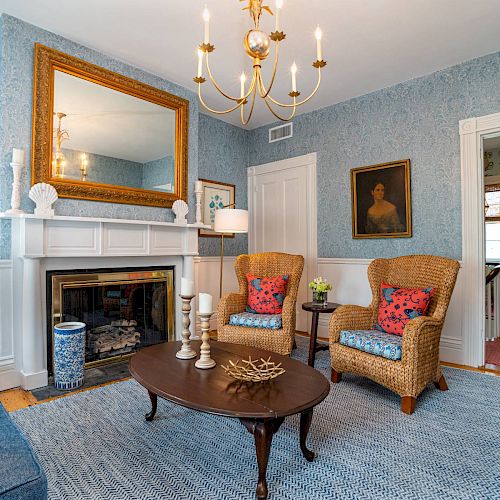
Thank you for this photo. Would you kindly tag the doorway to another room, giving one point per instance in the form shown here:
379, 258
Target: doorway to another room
491, 156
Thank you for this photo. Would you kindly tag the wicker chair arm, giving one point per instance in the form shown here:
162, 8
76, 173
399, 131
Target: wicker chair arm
420, 335
230, 303
349, 317
288, 314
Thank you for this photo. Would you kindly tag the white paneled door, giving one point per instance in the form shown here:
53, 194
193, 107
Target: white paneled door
282, 205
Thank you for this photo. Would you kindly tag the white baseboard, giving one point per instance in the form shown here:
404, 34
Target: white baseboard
30, 381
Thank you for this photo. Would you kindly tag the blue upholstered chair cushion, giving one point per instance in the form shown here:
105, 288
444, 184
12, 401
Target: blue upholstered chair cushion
21, 476
271, 321
382, 344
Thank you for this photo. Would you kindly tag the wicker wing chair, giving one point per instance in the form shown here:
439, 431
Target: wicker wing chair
264, 264
419, 362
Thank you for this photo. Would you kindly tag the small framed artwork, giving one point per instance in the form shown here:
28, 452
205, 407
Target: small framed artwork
215, 195
381, 204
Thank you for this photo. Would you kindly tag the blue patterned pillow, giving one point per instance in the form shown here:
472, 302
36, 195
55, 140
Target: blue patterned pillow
271, 321
374, 342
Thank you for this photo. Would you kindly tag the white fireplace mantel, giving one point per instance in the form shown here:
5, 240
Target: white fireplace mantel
49, 243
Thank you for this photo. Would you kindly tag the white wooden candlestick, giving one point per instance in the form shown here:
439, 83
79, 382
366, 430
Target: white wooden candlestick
205, 361
186, 352
198, 193
15, 200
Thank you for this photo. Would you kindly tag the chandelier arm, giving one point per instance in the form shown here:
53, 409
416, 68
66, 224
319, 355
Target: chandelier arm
243, 121
262, 89
213, 110
227, 96
284, 119
282, 105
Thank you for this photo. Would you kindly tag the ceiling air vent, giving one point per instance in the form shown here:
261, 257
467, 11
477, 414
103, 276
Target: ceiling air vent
281, 132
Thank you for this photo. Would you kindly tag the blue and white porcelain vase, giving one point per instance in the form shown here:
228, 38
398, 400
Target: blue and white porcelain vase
69, 355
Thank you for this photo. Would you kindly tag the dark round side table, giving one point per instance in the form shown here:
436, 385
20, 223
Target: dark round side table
316, 309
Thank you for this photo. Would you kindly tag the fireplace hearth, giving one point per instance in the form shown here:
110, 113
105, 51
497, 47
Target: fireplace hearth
124, 309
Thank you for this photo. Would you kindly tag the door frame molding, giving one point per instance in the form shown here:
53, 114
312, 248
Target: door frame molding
472, 131
309, 161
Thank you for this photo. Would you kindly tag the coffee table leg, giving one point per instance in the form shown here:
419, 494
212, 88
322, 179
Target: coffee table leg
154, 402
312, 339
262, 431
305, 424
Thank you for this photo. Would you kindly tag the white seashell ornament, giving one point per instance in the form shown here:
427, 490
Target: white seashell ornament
44, 195
180, 209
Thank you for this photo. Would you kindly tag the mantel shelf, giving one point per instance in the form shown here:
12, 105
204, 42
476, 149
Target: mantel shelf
103, 220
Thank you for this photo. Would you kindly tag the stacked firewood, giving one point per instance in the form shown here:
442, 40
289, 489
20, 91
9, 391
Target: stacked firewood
119, 337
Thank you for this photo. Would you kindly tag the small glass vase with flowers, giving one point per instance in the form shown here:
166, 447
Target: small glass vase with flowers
320, 288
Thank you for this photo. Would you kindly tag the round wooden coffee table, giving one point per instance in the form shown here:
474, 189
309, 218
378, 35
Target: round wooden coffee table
261, 408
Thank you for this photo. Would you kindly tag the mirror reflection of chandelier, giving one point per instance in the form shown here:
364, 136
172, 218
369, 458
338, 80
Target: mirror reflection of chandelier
58, 159
257, 44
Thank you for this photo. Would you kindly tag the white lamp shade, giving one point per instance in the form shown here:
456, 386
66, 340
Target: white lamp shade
231, 220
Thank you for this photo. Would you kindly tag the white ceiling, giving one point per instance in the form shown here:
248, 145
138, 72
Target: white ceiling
369, 44
106, 122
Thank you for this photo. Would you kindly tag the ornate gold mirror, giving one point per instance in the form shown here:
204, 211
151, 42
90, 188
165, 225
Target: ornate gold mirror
102, 136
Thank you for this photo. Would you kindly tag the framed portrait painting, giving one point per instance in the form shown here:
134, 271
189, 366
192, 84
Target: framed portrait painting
215, 195
381, 204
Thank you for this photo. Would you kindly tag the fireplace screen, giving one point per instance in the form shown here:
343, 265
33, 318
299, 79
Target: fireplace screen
123, 311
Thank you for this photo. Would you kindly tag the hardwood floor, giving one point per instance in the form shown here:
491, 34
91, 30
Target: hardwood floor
15, 399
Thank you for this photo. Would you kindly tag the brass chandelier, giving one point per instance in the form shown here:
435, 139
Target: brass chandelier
257, 44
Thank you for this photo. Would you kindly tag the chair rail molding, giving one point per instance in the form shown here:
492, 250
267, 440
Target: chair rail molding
472, 131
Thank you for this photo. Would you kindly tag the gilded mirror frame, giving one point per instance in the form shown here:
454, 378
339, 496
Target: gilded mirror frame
47, 61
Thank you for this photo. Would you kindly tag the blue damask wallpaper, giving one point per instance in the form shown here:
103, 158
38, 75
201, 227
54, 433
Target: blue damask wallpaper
158, 172
223, 156
17, 40
417, 119
111, 170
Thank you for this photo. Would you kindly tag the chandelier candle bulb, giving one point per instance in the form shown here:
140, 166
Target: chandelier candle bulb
243, 79
187, 287
318, 34
293, 69
206, 19
279, 6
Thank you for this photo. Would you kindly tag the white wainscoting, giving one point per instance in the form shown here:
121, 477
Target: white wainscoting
350, 283
207, 277
9, 377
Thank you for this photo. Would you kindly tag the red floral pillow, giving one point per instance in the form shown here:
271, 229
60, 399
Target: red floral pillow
266, 294
400, 305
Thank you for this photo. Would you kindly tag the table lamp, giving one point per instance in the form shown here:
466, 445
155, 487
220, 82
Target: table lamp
227, 221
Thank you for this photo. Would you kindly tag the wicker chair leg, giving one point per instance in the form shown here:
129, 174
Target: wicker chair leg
441, 384
408, 404
336, 376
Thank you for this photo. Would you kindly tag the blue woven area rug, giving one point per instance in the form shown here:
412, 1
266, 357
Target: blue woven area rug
97, 445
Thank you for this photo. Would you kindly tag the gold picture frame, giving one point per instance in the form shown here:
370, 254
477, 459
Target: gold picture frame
215, 192
47, 61
381, 200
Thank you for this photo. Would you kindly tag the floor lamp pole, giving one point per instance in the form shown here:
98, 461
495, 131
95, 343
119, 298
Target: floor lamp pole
221, 263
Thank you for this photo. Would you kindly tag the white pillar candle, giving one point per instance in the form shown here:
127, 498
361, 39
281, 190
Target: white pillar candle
279, 5
200, 63
293, 69
318, 36
205, 303
198, 186
18, 156
206, 18
187, 287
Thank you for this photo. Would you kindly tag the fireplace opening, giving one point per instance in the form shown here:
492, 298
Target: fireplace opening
124, 309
